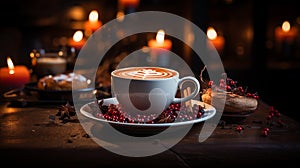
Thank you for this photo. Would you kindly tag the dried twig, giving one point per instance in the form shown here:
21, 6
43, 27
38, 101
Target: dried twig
186, 93
201, 74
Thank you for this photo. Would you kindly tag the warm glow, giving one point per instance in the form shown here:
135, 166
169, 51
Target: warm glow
76, 13
286, 26
93, 17
211, 33
10, 66
78, 36
129, 3
60, 53
31, 55
120, 16
160, 36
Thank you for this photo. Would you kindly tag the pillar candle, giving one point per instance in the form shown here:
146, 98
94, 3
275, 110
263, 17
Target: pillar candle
93, 23
129, 6
77, 41
160, 41
217, 41
160, 48
13, 77
285, 32
129, 3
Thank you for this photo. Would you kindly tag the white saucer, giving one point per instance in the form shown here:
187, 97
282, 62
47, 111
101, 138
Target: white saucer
210, 111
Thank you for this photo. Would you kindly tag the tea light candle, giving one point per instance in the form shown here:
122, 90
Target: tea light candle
77, 41
93, 23
13, 77
217, 41
285, 32
160, 41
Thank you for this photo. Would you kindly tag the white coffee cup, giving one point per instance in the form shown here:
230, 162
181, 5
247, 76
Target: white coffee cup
149, 90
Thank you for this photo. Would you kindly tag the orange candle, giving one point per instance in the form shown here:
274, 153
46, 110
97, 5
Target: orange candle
13, 77
217, 41
285, 32
93, 23
78, 40
129, 3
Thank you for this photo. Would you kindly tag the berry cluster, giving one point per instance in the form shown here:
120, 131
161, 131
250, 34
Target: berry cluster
230, 85
178, 112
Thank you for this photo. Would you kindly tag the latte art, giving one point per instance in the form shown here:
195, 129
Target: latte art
145, 73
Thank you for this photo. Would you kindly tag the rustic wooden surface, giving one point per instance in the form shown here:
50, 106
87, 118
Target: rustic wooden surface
34, 136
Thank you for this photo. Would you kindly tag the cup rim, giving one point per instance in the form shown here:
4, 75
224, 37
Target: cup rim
151, 79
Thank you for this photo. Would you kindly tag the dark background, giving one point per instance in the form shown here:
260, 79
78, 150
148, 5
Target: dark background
251, 55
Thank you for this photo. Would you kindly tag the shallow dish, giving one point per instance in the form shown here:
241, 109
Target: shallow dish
146, 129
64, 95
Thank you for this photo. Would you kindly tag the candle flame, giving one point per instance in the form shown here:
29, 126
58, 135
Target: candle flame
286, 26
211, 33
78, 36
160, 36
10, 66
93, 17
60, 53
120, 16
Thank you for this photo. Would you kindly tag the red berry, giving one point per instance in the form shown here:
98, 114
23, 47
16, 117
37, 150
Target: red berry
266, 129
232, 82
239, 128
268, 117
210, 83
222, 85
264, 133
222, 81
280, 122
241, 89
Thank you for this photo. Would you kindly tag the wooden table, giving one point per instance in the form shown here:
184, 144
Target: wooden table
34, 136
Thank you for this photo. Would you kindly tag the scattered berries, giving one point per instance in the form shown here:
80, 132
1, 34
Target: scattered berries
239, 128
178, 112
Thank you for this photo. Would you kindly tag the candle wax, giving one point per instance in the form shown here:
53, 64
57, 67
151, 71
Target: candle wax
160, 52
167, 44
76, 44
18, 79
92, 25
218, 43
129, 3
288, 36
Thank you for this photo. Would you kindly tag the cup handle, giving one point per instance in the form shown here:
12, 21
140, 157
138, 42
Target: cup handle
193, 94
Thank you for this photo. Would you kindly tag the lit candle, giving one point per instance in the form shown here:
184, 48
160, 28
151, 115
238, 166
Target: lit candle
77, 41
285, 32
160, 49
217, 41
93, 23
13, 77
120, 16
160, 41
